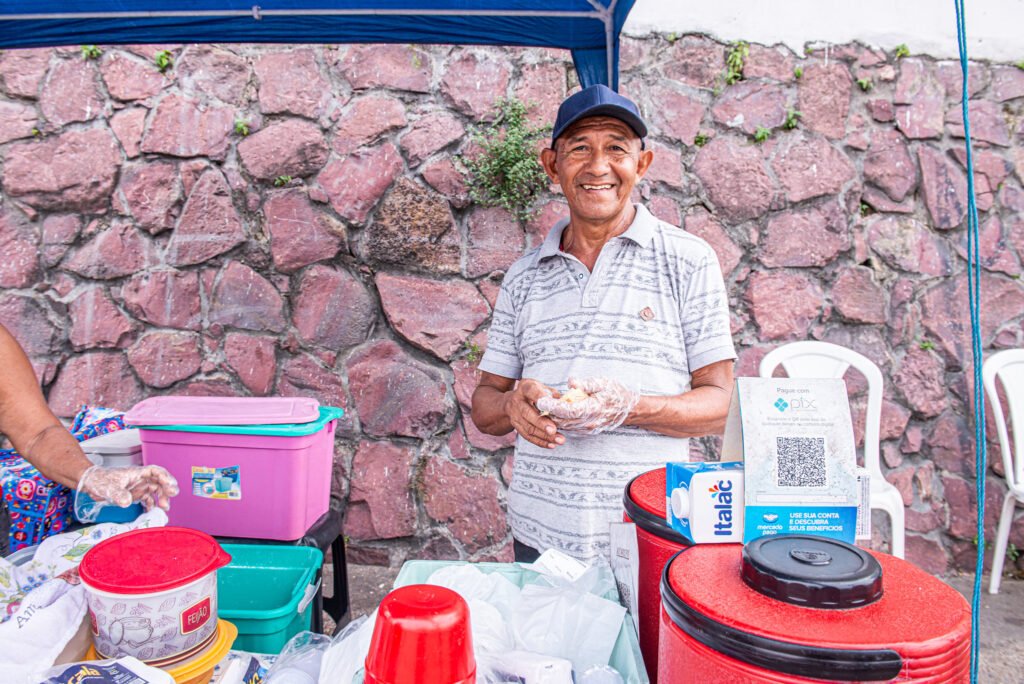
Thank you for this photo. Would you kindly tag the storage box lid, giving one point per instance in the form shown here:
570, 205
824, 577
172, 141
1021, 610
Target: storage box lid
327, 414
223, 411
118, 443
150, 560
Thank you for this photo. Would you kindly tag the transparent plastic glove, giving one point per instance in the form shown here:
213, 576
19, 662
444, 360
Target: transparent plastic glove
605, 407
103, 486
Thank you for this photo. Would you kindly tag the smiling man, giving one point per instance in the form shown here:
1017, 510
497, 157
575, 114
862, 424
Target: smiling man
630, 310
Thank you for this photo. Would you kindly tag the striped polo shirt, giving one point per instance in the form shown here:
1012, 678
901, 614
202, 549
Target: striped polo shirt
654, 308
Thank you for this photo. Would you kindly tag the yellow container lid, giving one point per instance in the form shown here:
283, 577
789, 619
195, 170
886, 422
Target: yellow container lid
199, 670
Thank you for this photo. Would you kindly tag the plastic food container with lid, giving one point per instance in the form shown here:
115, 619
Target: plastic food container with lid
199, 668
645, 504
259, 481
152, 593
794, 608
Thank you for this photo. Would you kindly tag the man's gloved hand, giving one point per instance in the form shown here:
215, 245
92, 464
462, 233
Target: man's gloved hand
122, 486
605, 407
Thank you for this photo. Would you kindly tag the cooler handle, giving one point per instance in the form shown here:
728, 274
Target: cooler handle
311, 590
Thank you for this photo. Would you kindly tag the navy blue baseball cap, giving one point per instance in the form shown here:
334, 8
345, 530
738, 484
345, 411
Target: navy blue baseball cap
598, 100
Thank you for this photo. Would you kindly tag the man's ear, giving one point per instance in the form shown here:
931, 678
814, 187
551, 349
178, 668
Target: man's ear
644, 162
547, 160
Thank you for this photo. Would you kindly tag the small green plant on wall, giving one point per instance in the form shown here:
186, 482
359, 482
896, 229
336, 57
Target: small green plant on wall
735, 61
163, 60
798, 73
473, 352
902, 51
282, 181
762, 134
865, 84
700, 140
91, 52
505, 171
241, 127
792, 119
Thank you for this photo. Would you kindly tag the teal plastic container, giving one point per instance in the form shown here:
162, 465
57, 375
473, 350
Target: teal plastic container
626, 656
267, 592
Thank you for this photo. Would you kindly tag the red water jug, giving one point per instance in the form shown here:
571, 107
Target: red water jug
794, 608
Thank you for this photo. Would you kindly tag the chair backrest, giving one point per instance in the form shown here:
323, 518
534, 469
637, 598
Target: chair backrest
1008, 367
814, 359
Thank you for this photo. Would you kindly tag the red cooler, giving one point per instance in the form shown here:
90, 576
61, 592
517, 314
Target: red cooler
795, 608
644, 501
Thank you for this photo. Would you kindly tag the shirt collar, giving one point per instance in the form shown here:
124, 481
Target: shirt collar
640, 231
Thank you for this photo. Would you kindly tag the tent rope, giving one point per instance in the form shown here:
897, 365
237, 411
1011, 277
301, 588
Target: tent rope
974, 295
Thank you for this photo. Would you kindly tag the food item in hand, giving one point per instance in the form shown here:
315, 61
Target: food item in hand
574, 395
570, 396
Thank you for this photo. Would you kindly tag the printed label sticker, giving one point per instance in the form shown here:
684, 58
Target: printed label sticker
217, 483
194, 617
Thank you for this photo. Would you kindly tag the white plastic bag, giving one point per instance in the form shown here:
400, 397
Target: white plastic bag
522, 667
300, 660
491, 632
347, 652
471, 584
580, 627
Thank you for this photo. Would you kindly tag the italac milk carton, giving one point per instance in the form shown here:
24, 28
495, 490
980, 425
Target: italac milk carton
705, 501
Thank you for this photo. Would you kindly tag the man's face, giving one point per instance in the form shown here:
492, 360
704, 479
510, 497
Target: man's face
597, 162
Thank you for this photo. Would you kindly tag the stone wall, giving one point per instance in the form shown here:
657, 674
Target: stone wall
149, 247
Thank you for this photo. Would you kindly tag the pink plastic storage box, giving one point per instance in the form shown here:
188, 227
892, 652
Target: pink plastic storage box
251, 481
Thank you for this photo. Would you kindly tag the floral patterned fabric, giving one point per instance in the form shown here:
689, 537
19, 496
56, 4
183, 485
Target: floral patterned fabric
37, 507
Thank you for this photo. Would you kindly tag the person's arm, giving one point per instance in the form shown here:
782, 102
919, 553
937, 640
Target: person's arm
44, 442
701, 411
501, 405
27, 421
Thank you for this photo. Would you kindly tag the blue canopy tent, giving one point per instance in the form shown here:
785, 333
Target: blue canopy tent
589, 28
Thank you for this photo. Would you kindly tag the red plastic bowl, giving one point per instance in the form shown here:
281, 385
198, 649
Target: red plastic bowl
422, 636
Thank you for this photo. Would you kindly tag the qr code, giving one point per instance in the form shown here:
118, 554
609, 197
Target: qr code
801, 461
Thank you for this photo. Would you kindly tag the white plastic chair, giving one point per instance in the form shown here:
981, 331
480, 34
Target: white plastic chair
1008, 367
825, 360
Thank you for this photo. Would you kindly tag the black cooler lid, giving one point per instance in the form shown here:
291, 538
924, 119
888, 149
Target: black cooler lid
815, 572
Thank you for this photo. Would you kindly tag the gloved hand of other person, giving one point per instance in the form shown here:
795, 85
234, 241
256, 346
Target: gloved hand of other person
150, 485
590, 406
